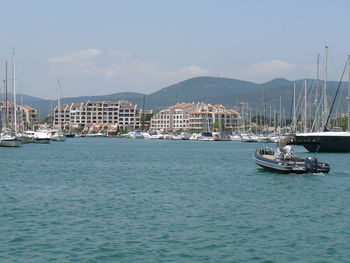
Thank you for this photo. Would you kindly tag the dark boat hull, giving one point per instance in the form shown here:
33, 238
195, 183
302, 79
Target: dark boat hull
316, 143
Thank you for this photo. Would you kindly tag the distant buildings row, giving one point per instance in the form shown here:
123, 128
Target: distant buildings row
122, 115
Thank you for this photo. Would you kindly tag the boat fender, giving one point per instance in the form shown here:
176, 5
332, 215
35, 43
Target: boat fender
311, 165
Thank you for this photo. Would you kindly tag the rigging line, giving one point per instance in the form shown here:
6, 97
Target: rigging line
335, 96
317, 111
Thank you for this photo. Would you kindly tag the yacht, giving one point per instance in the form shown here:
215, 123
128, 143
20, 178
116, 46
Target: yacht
26, 136
136, 135
42, 136
57, 136
7, 140
327, 141
206, 137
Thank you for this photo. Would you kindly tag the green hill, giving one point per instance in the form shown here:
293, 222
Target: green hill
229, 92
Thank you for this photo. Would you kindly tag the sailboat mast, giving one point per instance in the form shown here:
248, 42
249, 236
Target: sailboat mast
142, 113
14, 91
270, 116
316, 93
349, 94
264, 121
6, 98
305, 108
243, 124
294, 113
325, 103
280, 117
58, 105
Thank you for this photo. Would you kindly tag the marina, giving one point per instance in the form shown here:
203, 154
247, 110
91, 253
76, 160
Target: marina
166, 200
179, 131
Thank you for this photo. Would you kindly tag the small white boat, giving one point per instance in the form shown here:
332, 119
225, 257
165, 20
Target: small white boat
168, 136
195, 136
26, 136
235, 138
156, 135
177, 137
249, 138
206, 137
42, 136
185, 136
135, 135
8, 140
146, 135
57, 137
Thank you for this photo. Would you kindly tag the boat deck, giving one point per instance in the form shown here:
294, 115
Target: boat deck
271, 157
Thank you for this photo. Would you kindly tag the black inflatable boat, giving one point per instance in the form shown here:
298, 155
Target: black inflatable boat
277, 161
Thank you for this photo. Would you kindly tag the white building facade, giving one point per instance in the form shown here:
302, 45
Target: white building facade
195, 117
120, 114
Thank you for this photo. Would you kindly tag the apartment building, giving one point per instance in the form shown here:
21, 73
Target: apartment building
173, 118
26, 116
121, 114
195, 117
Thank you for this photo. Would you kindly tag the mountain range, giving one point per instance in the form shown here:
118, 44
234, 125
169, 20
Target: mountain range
215, 90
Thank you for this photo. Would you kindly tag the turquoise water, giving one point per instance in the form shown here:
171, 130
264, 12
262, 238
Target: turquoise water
123, 200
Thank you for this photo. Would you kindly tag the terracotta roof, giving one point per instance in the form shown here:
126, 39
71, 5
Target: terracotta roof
182, 106
127, 107
199, 112
27, 107
146, 111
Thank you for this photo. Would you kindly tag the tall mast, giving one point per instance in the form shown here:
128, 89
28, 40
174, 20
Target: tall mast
305, 108
14, 91
264, 121
59, 105
349, 94
243, 124
294, 113
325, 103
21, 110
270, 116
142, 115
316, 93
250, 117
6, 98
280, 117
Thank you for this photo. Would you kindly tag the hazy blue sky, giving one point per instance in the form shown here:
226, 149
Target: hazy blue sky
103, 47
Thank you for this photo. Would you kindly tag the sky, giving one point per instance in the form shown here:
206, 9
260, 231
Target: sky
109, 46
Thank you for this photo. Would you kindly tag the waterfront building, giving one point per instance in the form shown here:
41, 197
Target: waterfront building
172, 118
26, 116
195, 117
99, 115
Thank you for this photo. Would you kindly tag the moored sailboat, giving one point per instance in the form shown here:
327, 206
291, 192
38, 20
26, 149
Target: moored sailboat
326, 140
57, 135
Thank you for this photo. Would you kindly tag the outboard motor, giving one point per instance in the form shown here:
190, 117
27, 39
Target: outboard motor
311, 165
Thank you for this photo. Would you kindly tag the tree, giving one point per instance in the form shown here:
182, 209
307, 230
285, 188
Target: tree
218, 126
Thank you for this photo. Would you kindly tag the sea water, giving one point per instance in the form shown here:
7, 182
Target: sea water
124, 200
